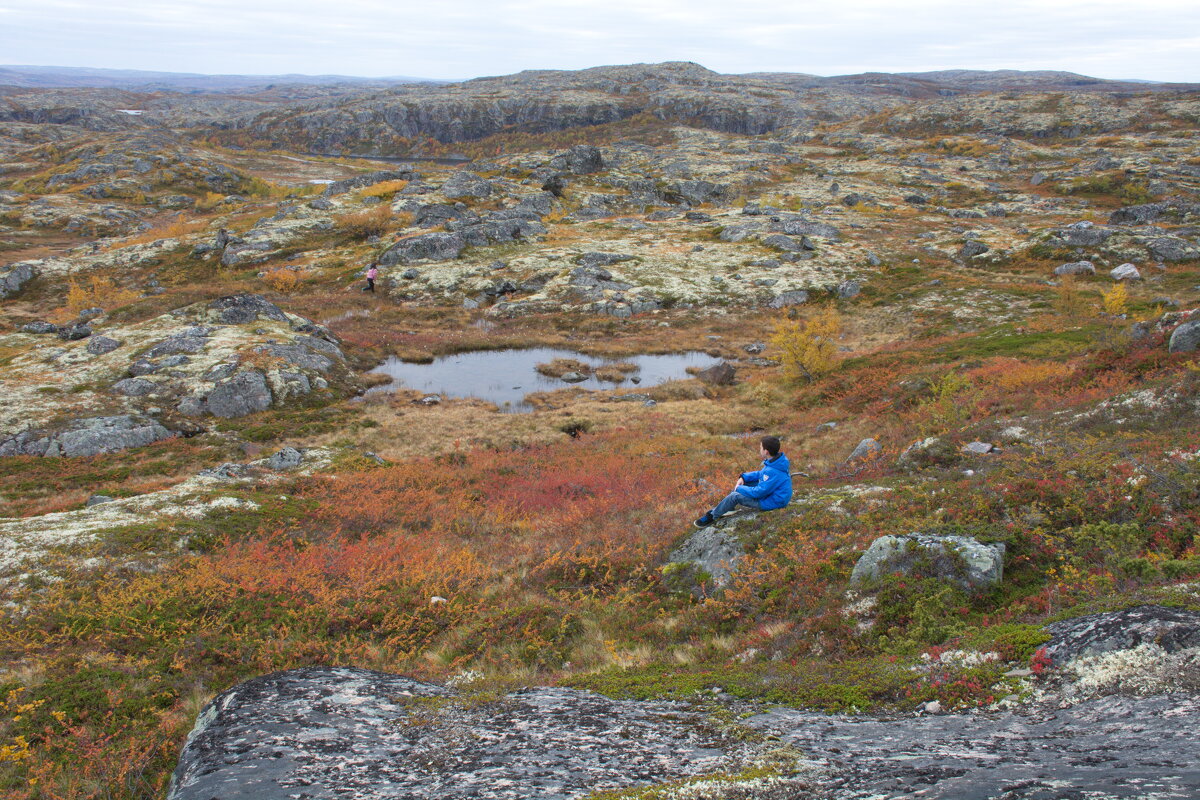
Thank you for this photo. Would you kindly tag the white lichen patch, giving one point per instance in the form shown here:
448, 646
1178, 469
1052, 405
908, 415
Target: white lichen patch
1143, 670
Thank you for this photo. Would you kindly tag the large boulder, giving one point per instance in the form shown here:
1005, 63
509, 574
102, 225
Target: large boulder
704, 564
722, 374
245, 393
579, 160
369, 179
425, 247
465, 183
238, 309
87, 437
954, 559
1185, 338
866, 450
1076, 268
14, 279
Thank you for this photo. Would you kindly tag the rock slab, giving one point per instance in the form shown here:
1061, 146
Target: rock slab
322, 732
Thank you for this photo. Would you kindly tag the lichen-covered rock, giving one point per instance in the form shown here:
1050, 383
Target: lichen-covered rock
1076, 268
465, 183
794, 297
245, 393
1185, 338
323, 732
705, 563
1172, 629
15, 279
865, 450
99, 345
87, 437
239, 309
956, 559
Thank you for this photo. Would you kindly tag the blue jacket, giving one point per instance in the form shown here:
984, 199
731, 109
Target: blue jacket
771, 486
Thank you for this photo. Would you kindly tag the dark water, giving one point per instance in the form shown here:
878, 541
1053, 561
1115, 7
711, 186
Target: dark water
504, 377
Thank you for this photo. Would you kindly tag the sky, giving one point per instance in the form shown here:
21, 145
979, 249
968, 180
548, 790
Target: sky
1120, 39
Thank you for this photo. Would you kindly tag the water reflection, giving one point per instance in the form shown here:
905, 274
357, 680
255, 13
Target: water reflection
504, 377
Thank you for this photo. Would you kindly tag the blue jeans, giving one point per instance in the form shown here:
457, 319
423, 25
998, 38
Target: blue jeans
732, 501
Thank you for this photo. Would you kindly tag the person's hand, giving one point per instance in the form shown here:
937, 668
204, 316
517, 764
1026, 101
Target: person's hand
739, 483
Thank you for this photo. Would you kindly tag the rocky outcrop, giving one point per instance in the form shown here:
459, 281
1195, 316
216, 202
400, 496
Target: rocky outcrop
1171, 629
956, 559
327, 732
14, 279
704, 564
87, 437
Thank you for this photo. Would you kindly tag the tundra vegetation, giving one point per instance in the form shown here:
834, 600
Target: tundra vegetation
885, 273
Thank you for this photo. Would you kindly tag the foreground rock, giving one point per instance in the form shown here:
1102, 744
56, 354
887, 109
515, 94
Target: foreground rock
1110, 747
324, 732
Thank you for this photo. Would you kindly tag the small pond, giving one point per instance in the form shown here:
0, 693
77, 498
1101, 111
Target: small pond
504, 377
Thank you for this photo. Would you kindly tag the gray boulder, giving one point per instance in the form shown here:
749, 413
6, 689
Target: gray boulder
695, 192
99, 345
722, 374
794, 297
73, 333
1172, 629
134, 387
179, 343
426, 247
1076, 268
954, 559
1125, 272
704, 564
929, 452
465, 183
802, 227
847, 290
978, 448
39, 327
239, 309
87, 437
1172, 248
866, 450
581, 159
595, 259
287, 458
970, 249
739, 232
1185, 338
787, 244
15, 279
245, 393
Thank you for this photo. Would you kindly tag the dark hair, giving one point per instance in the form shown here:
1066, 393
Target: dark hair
771, 445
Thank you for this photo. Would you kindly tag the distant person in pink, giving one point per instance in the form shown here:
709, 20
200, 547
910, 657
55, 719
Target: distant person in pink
372, 274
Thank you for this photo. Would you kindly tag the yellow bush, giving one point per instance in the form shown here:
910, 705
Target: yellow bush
383, 189
808, 347
282, 279
94, 291
369, 222
1116, 299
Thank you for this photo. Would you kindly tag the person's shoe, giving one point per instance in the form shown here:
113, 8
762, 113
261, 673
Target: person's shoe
705, 521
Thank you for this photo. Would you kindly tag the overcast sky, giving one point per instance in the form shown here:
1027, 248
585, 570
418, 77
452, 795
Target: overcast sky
1152, 39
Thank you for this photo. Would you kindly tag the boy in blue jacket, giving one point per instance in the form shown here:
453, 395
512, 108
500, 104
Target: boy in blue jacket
762, 490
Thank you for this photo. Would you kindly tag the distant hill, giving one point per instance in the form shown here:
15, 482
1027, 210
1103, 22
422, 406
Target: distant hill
35, 77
